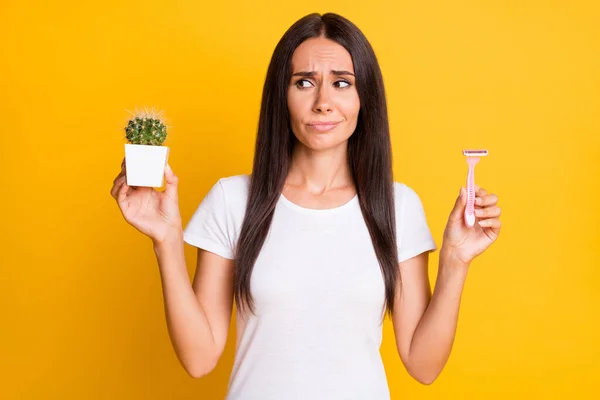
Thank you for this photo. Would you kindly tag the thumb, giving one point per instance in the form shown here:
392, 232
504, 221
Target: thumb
459, 206
172, 182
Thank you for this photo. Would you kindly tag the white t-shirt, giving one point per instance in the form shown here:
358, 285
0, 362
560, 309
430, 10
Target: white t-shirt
318, 290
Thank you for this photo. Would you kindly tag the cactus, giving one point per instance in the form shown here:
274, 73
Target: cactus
146, 127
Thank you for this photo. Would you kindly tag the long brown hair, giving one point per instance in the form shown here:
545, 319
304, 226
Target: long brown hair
369, 151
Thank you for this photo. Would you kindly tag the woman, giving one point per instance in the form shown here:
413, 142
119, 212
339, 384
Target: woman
317, 243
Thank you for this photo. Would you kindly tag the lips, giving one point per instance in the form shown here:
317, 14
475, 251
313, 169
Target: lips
323, 126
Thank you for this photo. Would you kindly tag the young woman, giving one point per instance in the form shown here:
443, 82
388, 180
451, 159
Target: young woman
317, 243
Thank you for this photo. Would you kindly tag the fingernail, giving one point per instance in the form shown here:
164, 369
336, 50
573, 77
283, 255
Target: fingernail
478, 200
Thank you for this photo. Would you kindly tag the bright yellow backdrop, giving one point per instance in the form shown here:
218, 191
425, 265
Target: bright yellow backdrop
82, 311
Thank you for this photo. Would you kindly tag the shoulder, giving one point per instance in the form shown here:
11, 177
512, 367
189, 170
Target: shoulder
399, 188
404, 194
414, 236
235, 190
235, 186
228, 193
408, 204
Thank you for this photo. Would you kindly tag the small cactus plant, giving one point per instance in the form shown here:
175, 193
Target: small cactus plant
145, 155
146, 128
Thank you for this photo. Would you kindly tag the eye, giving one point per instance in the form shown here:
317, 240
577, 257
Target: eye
299, 83
340, 82
344, 82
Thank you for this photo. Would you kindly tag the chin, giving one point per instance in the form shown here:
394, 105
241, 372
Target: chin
323, 141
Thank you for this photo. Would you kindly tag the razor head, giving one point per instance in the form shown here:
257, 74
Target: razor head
475, 153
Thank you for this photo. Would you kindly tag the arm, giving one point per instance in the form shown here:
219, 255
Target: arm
197, 315
425, 324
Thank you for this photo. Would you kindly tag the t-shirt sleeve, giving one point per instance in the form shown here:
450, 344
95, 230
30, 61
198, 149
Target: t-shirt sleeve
208, 228
414, 236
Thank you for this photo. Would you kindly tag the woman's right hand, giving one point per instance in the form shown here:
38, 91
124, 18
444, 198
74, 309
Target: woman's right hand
155, 214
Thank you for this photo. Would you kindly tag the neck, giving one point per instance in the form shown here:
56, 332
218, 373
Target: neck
318, 171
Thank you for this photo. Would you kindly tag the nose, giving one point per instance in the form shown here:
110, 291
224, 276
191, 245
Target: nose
323, 101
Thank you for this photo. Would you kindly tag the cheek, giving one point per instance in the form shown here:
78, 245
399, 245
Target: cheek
350, 106
296, 108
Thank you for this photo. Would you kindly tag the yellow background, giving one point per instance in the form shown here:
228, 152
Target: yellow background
82, 312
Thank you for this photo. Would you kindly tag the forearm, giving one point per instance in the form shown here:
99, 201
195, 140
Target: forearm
188, 327
434, 336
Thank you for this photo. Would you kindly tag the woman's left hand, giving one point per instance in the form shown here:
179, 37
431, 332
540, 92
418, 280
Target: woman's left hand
464, 243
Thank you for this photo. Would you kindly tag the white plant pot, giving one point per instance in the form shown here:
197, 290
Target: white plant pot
145, 164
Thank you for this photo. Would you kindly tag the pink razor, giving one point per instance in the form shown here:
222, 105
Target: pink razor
472, 160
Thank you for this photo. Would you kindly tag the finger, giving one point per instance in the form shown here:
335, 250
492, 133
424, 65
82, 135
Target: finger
479, 192
486, 200
490, 212
116, 186
122, 193
491, 223
172, 183
118, 177
459, 205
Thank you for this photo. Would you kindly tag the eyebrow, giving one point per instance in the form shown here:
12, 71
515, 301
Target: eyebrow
313, 73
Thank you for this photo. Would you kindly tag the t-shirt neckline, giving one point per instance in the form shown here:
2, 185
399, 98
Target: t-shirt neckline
315, 211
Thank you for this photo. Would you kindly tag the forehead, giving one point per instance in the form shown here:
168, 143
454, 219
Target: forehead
321, 53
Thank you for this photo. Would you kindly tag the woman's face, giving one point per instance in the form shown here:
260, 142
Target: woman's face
322, 91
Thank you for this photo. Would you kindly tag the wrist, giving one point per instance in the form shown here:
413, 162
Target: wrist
170, 239
449, 260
